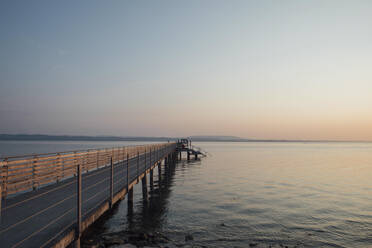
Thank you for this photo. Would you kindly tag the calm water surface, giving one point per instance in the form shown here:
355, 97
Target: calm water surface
269, 194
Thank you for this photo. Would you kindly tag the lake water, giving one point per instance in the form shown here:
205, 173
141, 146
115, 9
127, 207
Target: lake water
258, 194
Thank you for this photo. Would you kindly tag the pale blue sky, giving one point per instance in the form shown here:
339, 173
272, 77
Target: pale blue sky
259, 69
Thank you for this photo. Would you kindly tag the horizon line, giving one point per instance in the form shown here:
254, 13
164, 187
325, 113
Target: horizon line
202, 138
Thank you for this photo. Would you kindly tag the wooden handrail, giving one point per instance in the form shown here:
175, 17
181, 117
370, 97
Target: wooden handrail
28, 172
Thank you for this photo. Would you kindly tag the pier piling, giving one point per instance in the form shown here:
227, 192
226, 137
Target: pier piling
144, 188
151, 179
130, 200
159, 171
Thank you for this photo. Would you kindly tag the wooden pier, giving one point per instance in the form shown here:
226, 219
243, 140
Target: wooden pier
48, 200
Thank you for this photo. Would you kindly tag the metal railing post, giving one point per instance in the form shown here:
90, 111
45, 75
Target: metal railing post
79, 198
59, 169
34, 173
5, 178
112, 184
75, 162
97, 159
127, 172
137, 164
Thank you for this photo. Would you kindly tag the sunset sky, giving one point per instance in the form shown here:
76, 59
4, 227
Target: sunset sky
254, 69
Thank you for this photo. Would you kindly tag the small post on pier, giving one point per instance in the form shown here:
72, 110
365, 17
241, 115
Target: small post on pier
158, 154
34, 172
137, 166
112, 184
188, 156
78, 213
127, 172
97, 159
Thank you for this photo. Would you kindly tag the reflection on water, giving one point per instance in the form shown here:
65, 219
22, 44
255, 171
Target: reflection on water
150, 215
263, 194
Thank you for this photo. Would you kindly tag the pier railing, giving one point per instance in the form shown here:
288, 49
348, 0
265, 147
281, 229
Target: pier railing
29, 172
54, 197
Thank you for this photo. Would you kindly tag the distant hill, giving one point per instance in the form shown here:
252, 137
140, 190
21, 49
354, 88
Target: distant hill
216, 138
110, 138
45, 137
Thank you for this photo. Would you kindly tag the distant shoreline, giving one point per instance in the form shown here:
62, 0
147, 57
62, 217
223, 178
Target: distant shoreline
43, 137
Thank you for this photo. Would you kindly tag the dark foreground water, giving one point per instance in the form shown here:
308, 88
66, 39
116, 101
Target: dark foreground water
259, 195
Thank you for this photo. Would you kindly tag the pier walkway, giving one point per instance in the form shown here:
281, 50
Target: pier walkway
48, 200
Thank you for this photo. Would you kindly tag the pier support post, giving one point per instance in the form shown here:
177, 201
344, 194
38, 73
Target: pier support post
144, 188
130, 201
166, 168
159, 171
145, 160
34, 172
151, 179
112, 184
137, 166
196, 156
127, 172
188, 156
166, 164
150, 158
78, 213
